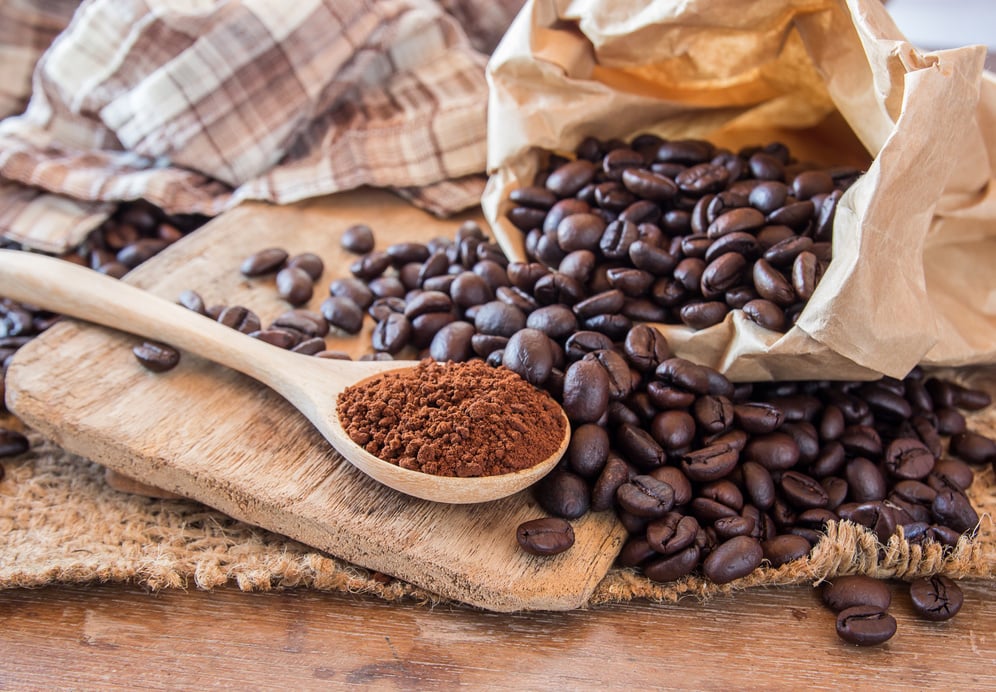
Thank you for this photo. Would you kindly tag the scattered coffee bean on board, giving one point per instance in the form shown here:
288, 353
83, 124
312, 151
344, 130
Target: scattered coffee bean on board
545, 536
155, 356
453, 419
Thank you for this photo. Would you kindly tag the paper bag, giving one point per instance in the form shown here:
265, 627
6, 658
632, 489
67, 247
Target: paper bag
912, 278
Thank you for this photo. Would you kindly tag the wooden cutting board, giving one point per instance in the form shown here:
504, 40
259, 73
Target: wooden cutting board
216, 436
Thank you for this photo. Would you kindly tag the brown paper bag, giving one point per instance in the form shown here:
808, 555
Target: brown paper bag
912, 279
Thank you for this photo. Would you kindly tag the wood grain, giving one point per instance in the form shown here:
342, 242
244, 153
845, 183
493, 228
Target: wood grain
115, 637
208, 433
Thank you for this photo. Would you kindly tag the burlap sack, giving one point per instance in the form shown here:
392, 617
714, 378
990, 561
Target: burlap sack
914, 242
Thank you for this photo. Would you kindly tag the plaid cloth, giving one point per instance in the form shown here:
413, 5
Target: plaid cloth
196, 105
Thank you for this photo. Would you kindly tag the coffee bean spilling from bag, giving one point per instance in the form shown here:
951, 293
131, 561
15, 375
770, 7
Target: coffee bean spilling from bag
683, 231
705, 474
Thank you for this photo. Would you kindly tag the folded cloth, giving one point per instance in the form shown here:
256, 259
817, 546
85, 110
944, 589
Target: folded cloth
196, 105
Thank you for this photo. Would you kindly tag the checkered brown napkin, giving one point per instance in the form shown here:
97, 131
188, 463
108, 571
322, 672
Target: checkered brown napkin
196, 105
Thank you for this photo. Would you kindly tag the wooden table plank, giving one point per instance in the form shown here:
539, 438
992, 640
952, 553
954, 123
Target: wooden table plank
120, 636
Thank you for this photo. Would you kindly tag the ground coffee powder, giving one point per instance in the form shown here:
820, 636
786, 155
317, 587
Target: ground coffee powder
453, 419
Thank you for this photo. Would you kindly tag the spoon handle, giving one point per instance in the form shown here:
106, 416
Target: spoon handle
69, 289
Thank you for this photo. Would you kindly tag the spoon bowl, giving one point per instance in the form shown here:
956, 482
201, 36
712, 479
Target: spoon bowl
312, 385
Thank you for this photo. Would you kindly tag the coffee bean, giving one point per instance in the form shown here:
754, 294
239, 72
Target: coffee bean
673, 567
354, 289
264, 262
281, 338
155, 356
12, 443
240, 318
856, 590
310, 263
784, 549
391, 334
569, 178
908, 459
295, 285
973, 447
586, 391
192, 301
733, 559
529, 353
865, 481
865, 625
563, 494
774, 451
709, 463
936, 598
645, 496
772, 285
358, 239
342, 313
546, 536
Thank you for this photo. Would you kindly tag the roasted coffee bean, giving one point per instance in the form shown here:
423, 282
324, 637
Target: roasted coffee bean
556, 321
772, 285
141, 250
569, 178
586, 391
645, 496
639, 447
684, 373
936, 598
264, 262
295, 285
829, 461
673, 430
615, 472
310, 347
784, 252
733, 559
806, 274
952, 508
784, 549
973, 447
354, 289
774, 451
563, 494
358, 239
391, 334
192, 301
281, 338
310, 263
949, 421
529, 353
342, 313
709, 463
743, 219
673, 567
955, 472
802, 491
671, 533
307, 322
546, 536
240, 318
714, 414
701, 315
452, 343
765, 314
155, 356
12, 443
908, 459
588, 450
864, 480
865, 625
758, 418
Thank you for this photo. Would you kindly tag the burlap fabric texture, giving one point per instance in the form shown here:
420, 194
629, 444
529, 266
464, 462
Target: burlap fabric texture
61, 522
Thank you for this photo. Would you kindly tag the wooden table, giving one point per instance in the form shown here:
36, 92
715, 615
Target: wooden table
118, 636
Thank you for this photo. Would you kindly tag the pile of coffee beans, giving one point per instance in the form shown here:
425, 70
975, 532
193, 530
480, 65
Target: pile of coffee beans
862, 605
706, 475
134, 233
681, 232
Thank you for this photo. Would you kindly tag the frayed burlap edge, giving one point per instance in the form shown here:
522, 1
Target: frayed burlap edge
61, 523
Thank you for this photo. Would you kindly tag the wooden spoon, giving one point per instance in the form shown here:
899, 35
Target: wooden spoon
311, 384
